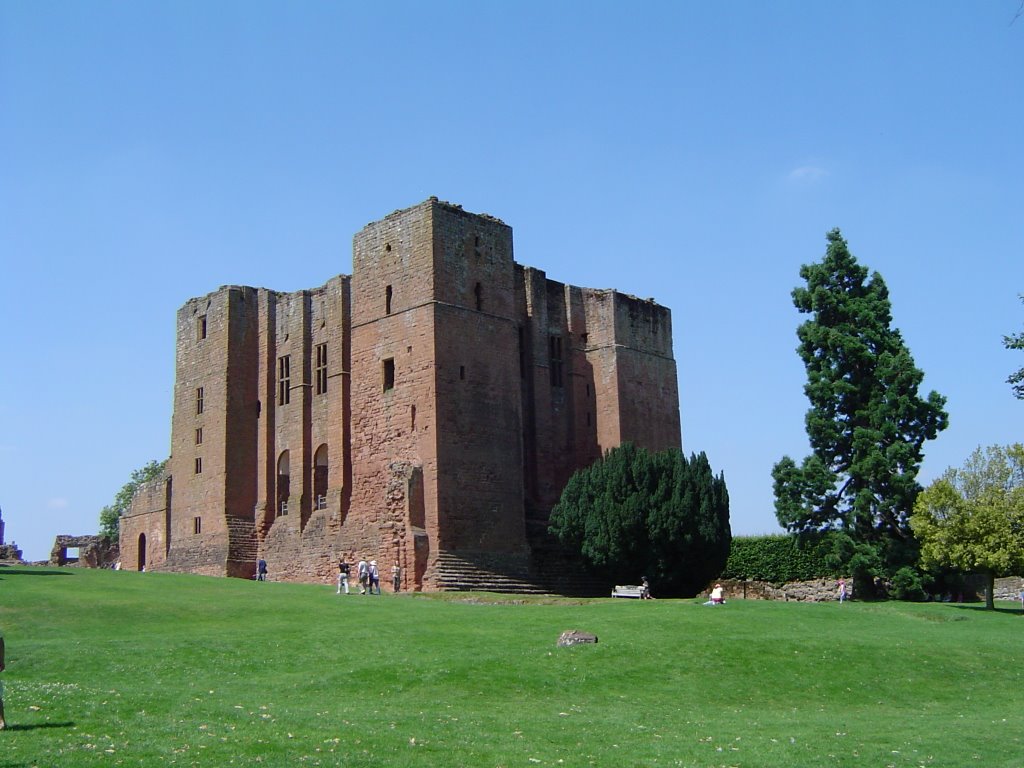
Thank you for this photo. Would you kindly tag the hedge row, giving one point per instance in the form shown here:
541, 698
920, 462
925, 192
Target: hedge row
779, 558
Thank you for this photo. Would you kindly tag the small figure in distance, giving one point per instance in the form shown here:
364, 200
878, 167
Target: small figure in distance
3, 723
261, 570
645, 589
343, 571
716, 597
842, 591
396, 577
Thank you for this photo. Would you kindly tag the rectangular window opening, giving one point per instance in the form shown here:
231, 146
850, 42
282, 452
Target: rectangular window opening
284, 380
199, 435
199, 465
388, 294
201, 327
389, 374
321, 369
197, 525
199, 400
555, 360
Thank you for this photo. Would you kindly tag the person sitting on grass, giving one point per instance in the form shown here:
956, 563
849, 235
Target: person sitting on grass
716, 596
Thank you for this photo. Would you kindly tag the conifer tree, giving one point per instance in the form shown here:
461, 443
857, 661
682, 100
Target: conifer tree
867, 424
634, 513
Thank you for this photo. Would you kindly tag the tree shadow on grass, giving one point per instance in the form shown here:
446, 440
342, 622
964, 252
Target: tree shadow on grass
34, 726
980, 608
6, 570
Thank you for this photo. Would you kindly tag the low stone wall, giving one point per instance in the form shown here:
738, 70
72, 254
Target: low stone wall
821, 590
1009, 588
815, 591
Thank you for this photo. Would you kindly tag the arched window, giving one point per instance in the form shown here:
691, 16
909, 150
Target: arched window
142, 551
320, 477
283, 491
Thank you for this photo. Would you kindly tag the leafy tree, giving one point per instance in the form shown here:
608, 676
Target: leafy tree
110, 516
972, 519
1016, 380
866, 424
654, 514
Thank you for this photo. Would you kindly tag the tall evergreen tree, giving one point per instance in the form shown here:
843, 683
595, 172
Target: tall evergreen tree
634, 513
867, 423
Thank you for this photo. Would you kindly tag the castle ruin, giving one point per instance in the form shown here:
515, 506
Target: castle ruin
425, 411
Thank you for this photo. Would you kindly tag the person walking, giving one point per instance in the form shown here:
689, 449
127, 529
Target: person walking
374, 577
842, 591
343, 571
396, 577
261, 570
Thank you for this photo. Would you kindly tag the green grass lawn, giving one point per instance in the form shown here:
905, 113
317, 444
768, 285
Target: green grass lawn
154, 669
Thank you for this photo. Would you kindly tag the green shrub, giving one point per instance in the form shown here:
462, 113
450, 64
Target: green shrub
779, 558
908, 585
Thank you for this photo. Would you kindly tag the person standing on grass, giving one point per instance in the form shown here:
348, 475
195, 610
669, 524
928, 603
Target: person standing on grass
842, 591
3, 723
396, 577
374, 577
363, 573
261, 570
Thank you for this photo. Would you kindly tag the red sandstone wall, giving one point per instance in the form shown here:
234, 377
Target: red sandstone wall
222, 363
393, 430
479, 413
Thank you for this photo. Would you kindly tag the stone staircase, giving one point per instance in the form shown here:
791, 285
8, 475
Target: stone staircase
548, 570
478, 572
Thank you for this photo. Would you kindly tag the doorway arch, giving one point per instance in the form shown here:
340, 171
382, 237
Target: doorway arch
142, 551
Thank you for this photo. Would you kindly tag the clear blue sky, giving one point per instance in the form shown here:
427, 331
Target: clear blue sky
694, 152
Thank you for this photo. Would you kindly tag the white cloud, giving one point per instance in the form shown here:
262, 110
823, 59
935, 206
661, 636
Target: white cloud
807, 174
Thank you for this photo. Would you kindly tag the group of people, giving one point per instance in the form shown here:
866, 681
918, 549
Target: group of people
366, 572
368, 576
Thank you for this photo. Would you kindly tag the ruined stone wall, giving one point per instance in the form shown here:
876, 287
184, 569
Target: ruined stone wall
144, 529
462, 391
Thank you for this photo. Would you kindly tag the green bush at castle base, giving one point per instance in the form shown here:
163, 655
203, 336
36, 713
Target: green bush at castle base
779, 558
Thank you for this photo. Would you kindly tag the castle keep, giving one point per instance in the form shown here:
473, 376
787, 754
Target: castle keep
426, 411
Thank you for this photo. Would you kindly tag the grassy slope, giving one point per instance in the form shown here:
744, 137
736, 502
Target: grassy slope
157, 669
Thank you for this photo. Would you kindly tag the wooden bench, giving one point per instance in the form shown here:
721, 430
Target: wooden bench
628, 591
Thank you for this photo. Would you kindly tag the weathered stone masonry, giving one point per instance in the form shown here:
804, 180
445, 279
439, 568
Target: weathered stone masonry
431, 405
